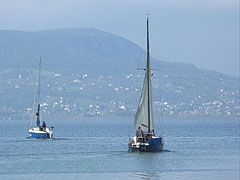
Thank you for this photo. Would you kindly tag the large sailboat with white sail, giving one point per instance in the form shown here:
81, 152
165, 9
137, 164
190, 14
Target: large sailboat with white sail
145, 139
39, 131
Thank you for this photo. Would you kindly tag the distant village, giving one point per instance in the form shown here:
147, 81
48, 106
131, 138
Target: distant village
82, 96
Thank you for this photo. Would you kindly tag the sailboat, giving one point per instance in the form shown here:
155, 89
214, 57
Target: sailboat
39, 131
145, 139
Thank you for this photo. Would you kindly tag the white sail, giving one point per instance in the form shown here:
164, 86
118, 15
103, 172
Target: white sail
145, 139
37, 95
141, 118
144, 115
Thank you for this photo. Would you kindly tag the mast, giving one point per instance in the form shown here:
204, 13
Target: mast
38, 93
144, 114
148, 77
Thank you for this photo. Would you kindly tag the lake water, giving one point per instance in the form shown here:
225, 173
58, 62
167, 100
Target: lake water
98, 149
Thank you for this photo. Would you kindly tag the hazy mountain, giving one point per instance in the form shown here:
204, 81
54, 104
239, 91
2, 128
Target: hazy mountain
87, 72
68, 49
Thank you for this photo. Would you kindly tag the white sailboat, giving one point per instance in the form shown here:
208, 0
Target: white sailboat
39, 131
145, 139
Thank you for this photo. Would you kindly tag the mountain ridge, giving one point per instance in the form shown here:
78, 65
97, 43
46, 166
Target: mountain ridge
88, 66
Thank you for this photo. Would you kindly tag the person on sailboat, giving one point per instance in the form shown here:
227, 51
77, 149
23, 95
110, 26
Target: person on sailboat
140, 135
44, 126
153, 134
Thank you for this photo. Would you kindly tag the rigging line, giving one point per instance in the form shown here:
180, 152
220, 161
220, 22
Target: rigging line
140, 62
156, 97
34, 104
153, 47
37, 88
39, 81
142, 51
154, 93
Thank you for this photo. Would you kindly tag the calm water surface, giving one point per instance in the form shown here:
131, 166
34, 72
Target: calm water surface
97, 149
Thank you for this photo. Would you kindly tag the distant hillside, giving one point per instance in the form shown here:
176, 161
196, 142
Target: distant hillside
68, 49
87, 72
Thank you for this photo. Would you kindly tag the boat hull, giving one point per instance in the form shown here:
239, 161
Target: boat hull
40, 134
153, 145
146, 148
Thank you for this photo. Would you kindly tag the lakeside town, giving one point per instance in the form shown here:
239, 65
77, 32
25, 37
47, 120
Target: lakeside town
85, 95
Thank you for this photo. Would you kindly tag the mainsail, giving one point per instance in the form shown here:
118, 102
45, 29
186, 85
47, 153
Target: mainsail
38, 112
37, 95
144, 115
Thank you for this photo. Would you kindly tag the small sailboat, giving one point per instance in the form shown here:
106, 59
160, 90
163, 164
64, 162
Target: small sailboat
145, 139
39, 131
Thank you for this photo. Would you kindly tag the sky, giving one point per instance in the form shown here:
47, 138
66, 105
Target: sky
200, 32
